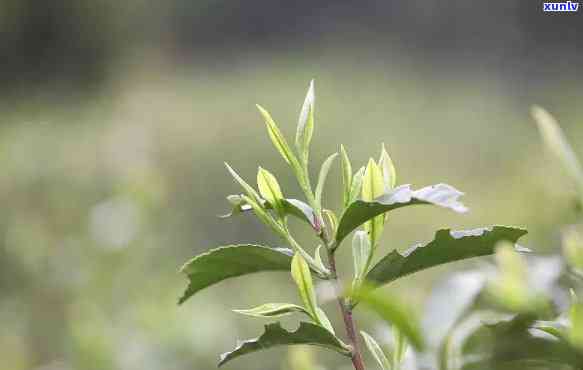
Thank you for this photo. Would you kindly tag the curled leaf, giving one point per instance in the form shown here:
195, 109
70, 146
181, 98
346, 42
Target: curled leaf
447, 246
230, 261
274, 335
273, 310
361, 211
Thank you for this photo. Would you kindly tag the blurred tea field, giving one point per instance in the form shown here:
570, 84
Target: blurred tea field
105, 194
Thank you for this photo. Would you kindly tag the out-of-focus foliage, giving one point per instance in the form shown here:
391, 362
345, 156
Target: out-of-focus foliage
520, 313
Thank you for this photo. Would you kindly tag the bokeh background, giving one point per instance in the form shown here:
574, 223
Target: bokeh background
116, 117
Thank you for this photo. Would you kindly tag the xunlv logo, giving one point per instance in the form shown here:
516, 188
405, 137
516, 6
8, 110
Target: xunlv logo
561, 7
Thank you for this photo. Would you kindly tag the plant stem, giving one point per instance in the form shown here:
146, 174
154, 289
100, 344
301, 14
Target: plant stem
349, 323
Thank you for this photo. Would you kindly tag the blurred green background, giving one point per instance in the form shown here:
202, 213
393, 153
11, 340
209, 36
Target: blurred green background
116, 117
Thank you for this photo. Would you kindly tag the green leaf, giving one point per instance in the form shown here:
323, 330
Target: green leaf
293, 207
273, 310
306, 124
231, 261
556, 142
322, 177
393, 312
301, 210
254, 200
346, 176
318, 259
447, 246
303, 278
248, 188
239, 205
265, 217
356, 185
376, 351
269, 189
277, 138
361, 252
324, 321
372, 188
388, 170
274, 335
360, 211
332, 219
512, 344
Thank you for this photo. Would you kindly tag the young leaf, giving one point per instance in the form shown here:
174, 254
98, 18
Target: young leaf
248, 188
392, 311
447, 246
372, 188
322, 178
324, 321
265, 217
277, 138
231, 261
273, 310
557, 143
274, 335
332, 220
318, 259
360, 211
254, 200
293, 207
270, 190
388, 170
361, 252
356, 185
239, 205
306, 124
346, 176
376, 351
303, 278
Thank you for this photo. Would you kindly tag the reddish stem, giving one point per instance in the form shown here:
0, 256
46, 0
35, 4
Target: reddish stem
349, 323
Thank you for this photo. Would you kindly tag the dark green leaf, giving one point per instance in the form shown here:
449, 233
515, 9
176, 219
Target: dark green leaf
275, 335
447, 246
230, 261
513, 344
360, 211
